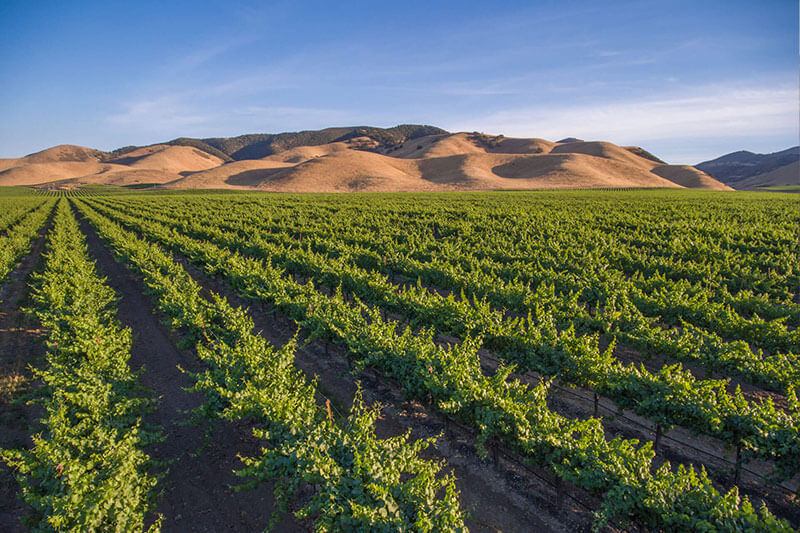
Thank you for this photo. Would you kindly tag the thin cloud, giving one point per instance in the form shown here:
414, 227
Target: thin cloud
162, 113
279, 115
169, 116
209, 52
697, 113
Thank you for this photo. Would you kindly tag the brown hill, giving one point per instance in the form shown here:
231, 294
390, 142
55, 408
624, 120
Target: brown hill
304, 153
256, 146
8, 163
445, 163
168, 159
405, 158
234, 175
70, 166
521, 146
785, 175
64, 152
39, 173
116, 176
690, 177
604, 150
740, 169
59, 162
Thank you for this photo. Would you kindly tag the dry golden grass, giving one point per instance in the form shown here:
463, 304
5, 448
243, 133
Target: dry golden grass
460, 161
785, 175
691, 177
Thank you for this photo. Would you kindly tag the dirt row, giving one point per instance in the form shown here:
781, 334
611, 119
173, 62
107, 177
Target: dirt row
21, 348
196, 490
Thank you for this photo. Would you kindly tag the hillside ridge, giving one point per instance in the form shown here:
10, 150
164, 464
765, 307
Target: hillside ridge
748, 170
407, 157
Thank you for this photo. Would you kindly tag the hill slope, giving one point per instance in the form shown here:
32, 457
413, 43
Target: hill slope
740, 169
403, 158
256, 146
460, 161
785, 175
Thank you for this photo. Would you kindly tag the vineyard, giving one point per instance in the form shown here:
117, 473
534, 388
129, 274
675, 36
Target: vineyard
613, 360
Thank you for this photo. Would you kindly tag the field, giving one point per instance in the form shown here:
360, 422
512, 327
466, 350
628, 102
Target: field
516, 361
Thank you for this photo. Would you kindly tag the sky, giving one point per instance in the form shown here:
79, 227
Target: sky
686, 80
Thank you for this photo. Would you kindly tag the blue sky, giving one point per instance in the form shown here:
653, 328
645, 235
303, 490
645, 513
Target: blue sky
687, 80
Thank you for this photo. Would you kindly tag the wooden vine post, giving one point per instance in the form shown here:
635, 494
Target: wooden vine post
737, 470
658, 438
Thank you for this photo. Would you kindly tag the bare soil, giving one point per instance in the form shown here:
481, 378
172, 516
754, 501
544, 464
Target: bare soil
21, 348
196, 492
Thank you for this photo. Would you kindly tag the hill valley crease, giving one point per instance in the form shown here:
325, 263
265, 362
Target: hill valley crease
402, 158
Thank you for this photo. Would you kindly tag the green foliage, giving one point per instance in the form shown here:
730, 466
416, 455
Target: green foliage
544, 268
546, 341
359, 482
87, 470
21, 218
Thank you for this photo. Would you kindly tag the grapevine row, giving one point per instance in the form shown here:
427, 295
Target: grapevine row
617, 306
497, 406
669, 397
87, 470
17, 241
360, 482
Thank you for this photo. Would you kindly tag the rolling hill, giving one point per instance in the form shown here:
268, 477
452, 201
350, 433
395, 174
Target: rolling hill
747, 170
402, 158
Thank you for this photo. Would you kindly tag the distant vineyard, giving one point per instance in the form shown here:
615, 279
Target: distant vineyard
639, 351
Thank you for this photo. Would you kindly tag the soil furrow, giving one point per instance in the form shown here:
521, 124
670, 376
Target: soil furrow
500, 496
197, 493
21, 348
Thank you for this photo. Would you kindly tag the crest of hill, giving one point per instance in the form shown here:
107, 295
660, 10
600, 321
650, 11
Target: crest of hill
56, 154
690, 177
641, 152
59, 162
604, 150
64, 152
459, 161
68, 165
785, 175
304, 153
256, 146
444, 145
168, 159
403, 158
736, 168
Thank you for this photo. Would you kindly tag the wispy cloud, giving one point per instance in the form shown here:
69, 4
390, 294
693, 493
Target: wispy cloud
297, 116
169, 116
210, 51
692, 114
162, 113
